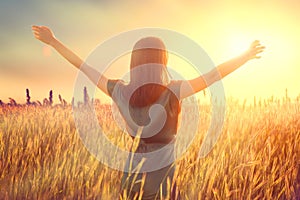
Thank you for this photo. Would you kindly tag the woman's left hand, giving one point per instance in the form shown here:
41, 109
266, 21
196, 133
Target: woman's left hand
44, 34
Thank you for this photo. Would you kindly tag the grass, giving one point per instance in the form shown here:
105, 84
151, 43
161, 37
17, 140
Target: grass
256, 157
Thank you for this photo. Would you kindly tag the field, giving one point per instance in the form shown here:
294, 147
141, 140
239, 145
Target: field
256, 157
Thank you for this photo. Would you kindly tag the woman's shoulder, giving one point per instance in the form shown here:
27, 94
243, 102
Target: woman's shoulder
174, 87
111, 84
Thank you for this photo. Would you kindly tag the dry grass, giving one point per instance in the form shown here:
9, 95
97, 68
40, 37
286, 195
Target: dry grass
257, 156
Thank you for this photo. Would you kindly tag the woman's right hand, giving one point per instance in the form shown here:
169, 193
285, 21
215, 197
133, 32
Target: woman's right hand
254, 49
44, 34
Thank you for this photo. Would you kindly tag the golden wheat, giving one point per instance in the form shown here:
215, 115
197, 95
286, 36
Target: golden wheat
256, 157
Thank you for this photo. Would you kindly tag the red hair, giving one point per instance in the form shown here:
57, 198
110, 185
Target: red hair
148, 51
149, 65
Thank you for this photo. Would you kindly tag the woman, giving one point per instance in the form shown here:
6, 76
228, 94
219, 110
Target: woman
149, 84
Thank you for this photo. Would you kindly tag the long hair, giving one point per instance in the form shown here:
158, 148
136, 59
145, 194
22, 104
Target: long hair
148, 64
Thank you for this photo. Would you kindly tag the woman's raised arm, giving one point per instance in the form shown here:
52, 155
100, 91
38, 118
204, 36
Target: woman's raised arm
193, 86
45, 35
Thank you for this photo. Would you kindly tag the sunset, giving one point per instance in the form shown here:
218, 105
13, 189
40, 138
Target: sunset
71, 130
223, 29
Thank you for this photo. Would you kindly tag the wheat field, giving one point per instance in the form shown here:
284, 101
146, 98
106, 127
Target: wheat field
256, 157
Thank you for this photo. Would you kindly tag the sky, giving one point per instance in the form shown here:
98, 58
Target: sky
224, 29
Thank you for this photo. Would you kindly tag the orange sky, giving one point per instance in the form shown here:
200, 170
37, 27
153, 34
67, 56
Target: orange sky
223, 28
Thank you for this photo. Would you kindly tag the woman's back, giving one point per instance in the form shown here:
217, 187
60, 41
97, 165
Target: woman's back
159, 122
159, 119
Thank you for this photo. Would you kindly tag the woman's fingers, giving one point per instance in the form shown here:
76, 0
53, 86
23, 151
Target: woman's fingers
255, 43
255, 49
39, 29
35, 28
259, 52
260, 46
260, 49
36, 31
43, 33
257, 46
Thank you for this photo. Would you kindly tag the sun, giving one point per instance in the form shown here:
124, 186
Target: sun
238, 43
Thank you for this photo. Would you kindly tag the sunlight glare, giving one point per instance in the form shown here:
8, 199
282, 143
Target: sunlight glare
47, 51
238, 43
